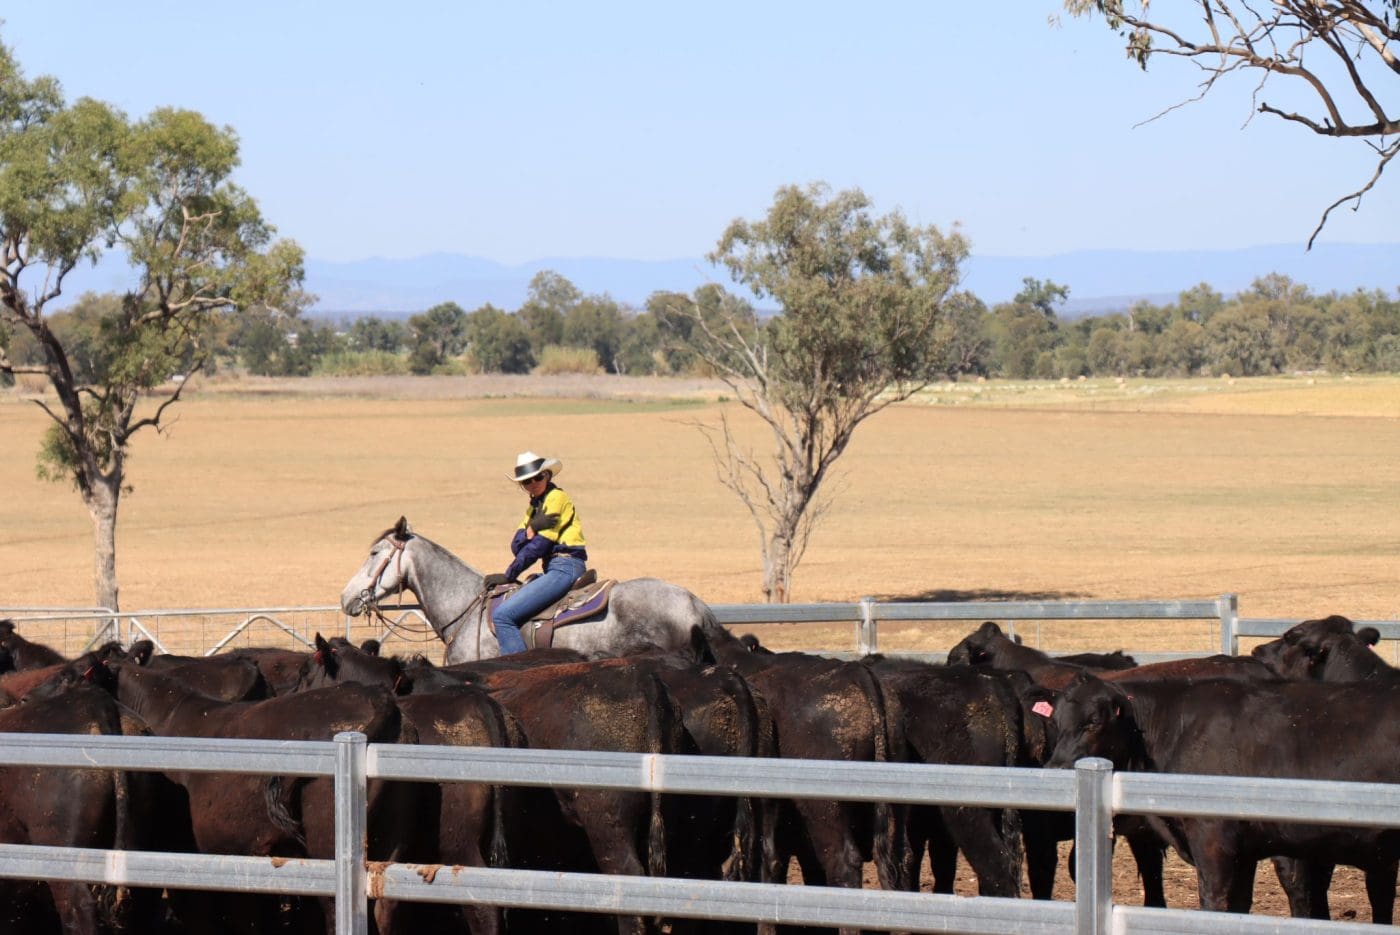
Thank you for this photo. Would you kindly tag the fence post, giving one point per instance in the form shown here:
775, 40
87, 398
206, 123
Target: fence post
1228, 607
351, 899
867, 640
1093, 846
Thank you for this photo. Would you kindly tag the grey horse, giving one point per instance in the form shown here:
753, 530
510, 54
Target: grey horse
642, 614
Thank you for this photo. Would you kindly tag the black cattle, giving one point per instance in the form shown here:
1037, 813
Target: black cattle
957, 716
591, 706
989, 646
338, 660
464, 821
825, 709
1114, 660
1328, 650
48, 681
61, 807
1294, 730
227, 678
715, 837
18, 653
251, 815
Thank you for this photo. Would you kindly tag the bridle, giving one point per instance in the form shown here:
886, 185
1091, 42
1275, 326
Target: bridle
371, 597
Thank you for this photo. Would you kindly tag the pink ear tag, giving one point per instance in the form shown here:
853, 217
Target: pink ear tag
1043, 708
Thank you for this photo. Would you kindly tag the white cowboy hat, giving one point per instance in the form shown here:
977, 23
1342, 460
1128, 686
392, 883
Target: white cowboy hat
528, 464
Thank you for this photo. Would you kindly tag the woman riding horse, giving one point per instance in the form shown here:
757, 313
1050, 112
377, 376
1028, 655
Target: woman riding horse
551, 532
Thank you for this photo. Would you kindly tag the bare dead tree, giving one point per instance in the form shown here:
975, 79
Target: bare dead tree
1343, 52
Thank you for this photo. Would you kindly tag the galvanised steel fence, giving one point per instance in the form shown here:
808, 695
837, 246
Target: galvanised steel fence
211, 630
1092, 790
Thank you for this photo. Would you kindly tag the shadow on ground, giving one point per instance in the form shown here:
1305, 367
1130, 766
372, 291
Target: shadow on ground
951, 596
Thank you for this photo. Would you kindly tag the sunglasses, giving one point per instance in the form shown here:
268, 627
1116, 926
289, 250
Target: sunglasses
531, 480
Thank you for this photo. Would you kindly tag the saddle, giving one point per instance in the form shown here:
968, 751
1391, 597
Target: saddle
587, 599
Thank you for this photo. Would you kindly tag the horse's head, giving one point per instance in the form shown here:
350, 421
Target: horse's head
381, 574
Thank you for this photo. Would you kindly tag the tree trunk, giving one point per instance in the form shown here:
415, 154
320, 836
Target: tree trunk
102, 499
777, 569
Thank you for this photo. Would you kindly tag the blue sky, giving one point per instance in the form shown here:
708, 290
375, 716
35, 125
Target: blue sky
639, 130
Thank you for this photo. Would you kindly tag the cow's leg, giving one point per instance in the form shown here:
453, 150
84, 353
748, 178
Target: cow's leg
916, 819
1042, 850
992, 845
1149, 856
614, 849
1242, 886
77, 909
1380, 889
1218, 867
1305, 883
942, 853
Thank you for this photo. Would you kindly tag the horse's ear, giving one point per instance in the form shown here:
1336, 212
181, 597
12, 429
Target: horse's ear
321, 645
401, 528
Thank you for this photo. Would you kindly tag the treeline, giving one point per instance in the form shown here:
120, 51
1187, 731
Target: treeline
1275, 326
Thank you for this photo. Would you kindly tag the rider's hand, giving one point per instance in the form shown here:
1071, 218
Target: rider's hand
492, 580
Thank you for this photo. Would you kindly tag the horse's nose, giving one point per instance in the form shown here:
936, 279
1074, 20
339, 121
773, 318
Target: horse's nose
355, 607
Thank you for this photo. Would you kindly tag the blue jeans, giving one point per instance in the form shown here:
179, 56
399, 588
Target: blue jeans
533, 597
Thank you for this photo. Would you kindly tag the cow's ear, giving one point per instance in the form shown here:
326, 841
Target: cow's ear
1079, 679
141, 652
1017, 638
1369, 635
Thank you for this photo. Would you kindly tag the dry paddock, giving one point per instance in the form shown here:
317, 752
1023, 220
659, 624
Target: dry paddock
1285, 491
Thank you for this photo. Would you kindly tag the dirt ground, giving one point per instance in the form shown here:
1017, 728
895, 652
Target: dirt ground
1347, 896
268, 493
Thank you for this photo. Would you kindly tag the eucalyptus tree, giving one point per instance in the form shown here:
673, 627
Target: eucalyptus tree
1339, 55
80, 179
857, 299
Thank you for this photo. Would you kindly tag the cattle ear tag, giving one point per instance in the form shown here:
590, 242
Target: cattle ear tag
1043, 708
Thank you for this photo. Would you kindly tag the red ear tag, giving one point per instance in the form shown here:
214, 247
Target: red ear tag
318, 658
1043, 708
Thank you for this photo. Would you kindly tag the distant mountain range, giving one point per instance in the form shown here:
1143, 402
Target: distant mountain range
1098, 280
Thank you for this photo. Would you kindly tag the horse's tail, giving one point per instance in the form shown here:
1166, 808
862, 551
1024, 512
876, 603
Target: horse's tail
888, 831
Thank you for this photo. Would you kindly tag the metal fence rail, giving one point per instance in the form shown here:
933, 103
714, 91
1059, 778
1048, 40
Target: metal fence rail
1092, 790
213, 629
220, 628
